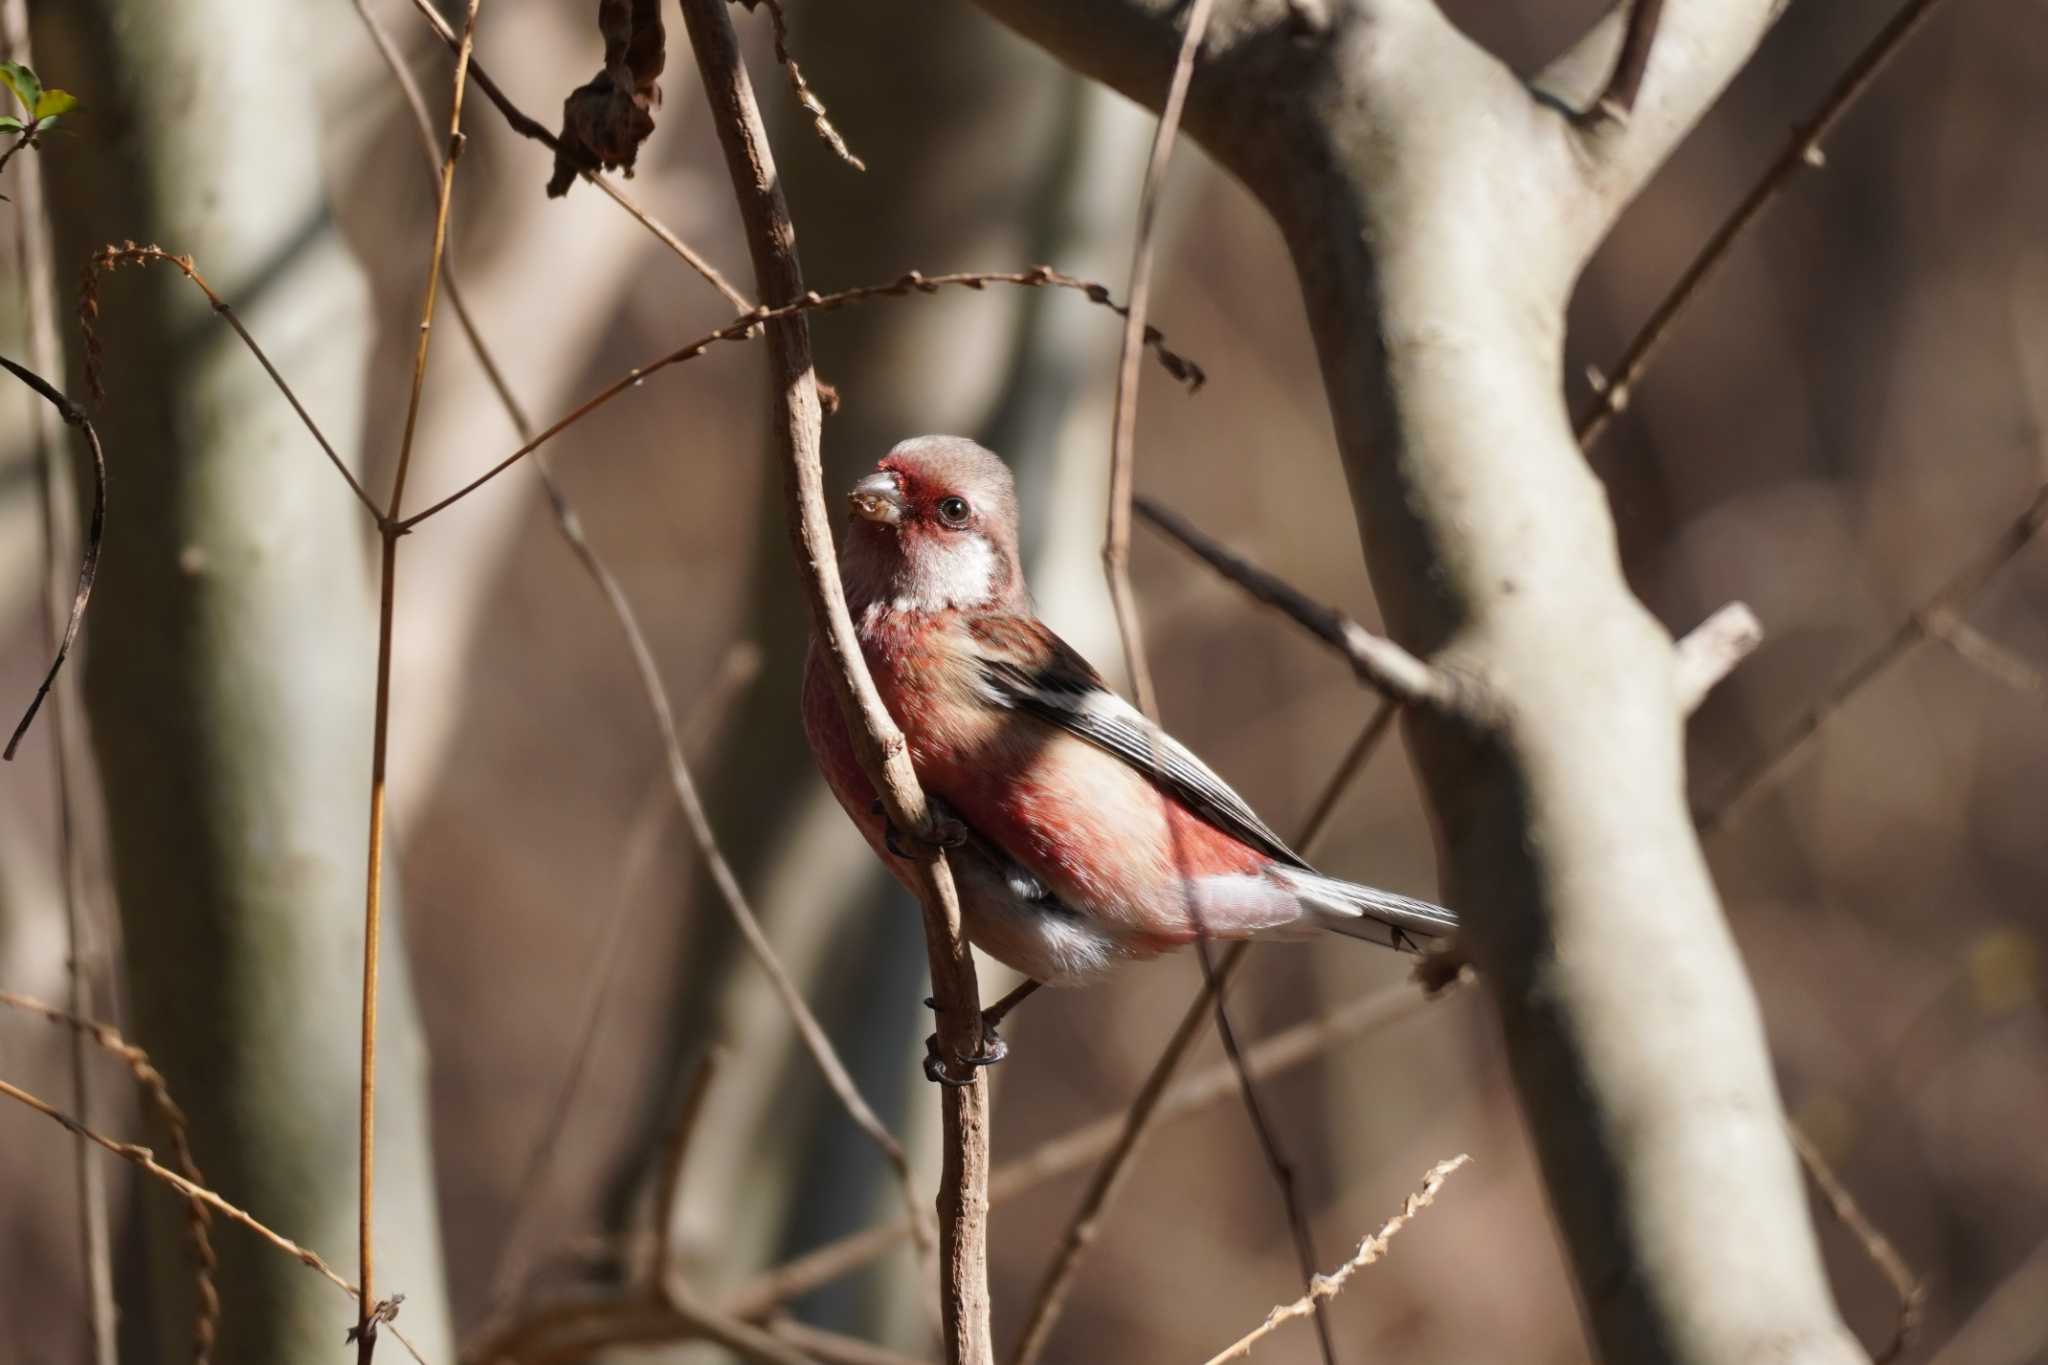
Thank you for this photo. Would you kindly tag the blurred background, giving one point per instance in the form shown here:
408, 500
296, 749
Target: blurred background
1853, 409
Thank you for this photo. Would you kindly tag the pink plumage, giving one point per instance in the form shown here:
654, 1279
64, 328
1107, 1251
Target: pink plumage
1092, 836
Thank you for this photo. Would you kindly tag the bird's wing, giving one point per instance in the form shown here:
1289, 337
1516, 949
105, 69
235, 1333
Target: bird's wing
1025, 667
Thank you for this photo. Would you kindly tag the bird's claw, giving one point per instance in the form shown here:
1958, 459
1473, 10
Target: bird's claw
945, 832
994, 1049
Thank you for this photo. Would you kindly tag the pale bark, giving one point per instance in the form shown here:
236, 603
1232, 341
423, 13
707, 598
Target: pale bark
230, 656
1438, 212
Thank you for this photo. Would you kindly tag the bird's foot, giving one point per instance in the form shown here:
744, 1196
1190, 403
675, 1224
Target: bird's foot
937, 1070
946, 831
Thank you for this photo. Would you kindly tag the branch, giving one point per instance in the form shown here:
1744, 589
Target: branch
963, 1192
744, 326
1951, 599
1910, 1288
206, 1296
805, 96
143, 1158
1369, 1251
1611, 395
1712, 650
89, 567
1379, 663
113, 257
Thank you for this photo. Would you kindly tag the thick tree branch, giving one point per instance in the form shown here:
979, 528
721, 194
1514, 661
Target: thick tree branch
1438, 218
963, 1191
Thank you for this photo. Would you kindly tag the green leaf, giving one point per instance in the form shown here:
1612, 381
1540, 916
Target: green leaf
51, 103
23, 82
9, 124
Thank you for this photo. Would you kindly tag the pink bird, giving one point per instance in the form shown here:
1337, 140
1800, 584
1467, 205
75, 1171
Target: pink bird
1083, 835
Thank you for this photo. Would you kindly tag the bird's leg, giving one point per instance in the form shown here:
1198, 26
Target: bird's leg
994, 1049
947, 831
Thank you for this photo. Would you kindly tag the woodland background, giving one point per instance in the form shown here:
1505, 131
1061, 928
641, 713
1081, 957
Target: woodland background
1857, 405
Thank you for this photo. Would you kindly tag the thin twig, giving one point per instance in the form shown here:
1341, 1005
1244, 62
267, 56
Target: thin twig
1638, 35
805, 96
1378, 661
1116, 543
89, 565
1076, 1148
373, 903
145, 1159
1987, 655
744, 325
206, 1296
1951, 598
1910, 1288
879, 745
1369, 1251
1612, 393
1116, 563
528, 127
1148, 1105
112, 257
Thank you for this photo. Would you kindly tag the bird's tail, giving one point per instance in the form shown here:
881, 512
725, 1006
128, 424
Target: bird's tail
1382, 917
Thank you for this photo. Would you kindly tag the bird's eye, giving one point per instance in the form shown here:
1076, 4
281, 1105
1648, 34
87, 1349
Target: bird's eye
953, 511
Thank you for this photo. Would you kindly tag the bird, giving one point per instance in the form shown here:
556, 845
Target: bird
1081, 835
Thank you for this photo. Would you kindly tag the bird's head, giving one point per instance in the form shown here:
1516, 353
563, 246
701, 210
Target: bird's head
934, 529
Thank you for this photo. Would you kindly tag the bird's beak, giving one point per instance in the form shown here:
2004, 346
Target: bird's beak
878, 497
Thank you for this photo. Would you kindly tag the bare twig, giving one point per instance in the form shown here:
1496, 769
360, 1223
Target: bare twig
805, 96
1638, 35
112, 257
145, 1159
963, 1188
1910, 1288
743, 326
1985, 654
1378, 661
1802, 149
88, 568
206, 1296
1369, 1251
1116, 564
1074, 1149
526, 126
1951, 598
373, 878
1116, 543
1148, 1105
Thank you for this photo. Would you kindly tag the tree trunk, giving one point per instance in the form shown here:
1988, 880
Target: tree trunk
230, 658
1438, 212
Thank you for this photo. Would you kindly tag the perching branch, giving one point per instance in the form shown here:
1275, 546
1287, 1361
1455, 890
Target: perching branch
648, 672
963, 1191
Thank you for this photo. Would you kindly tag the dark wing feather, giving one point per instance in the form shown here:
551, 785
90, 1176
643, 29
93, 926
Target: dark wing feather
1025, 667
